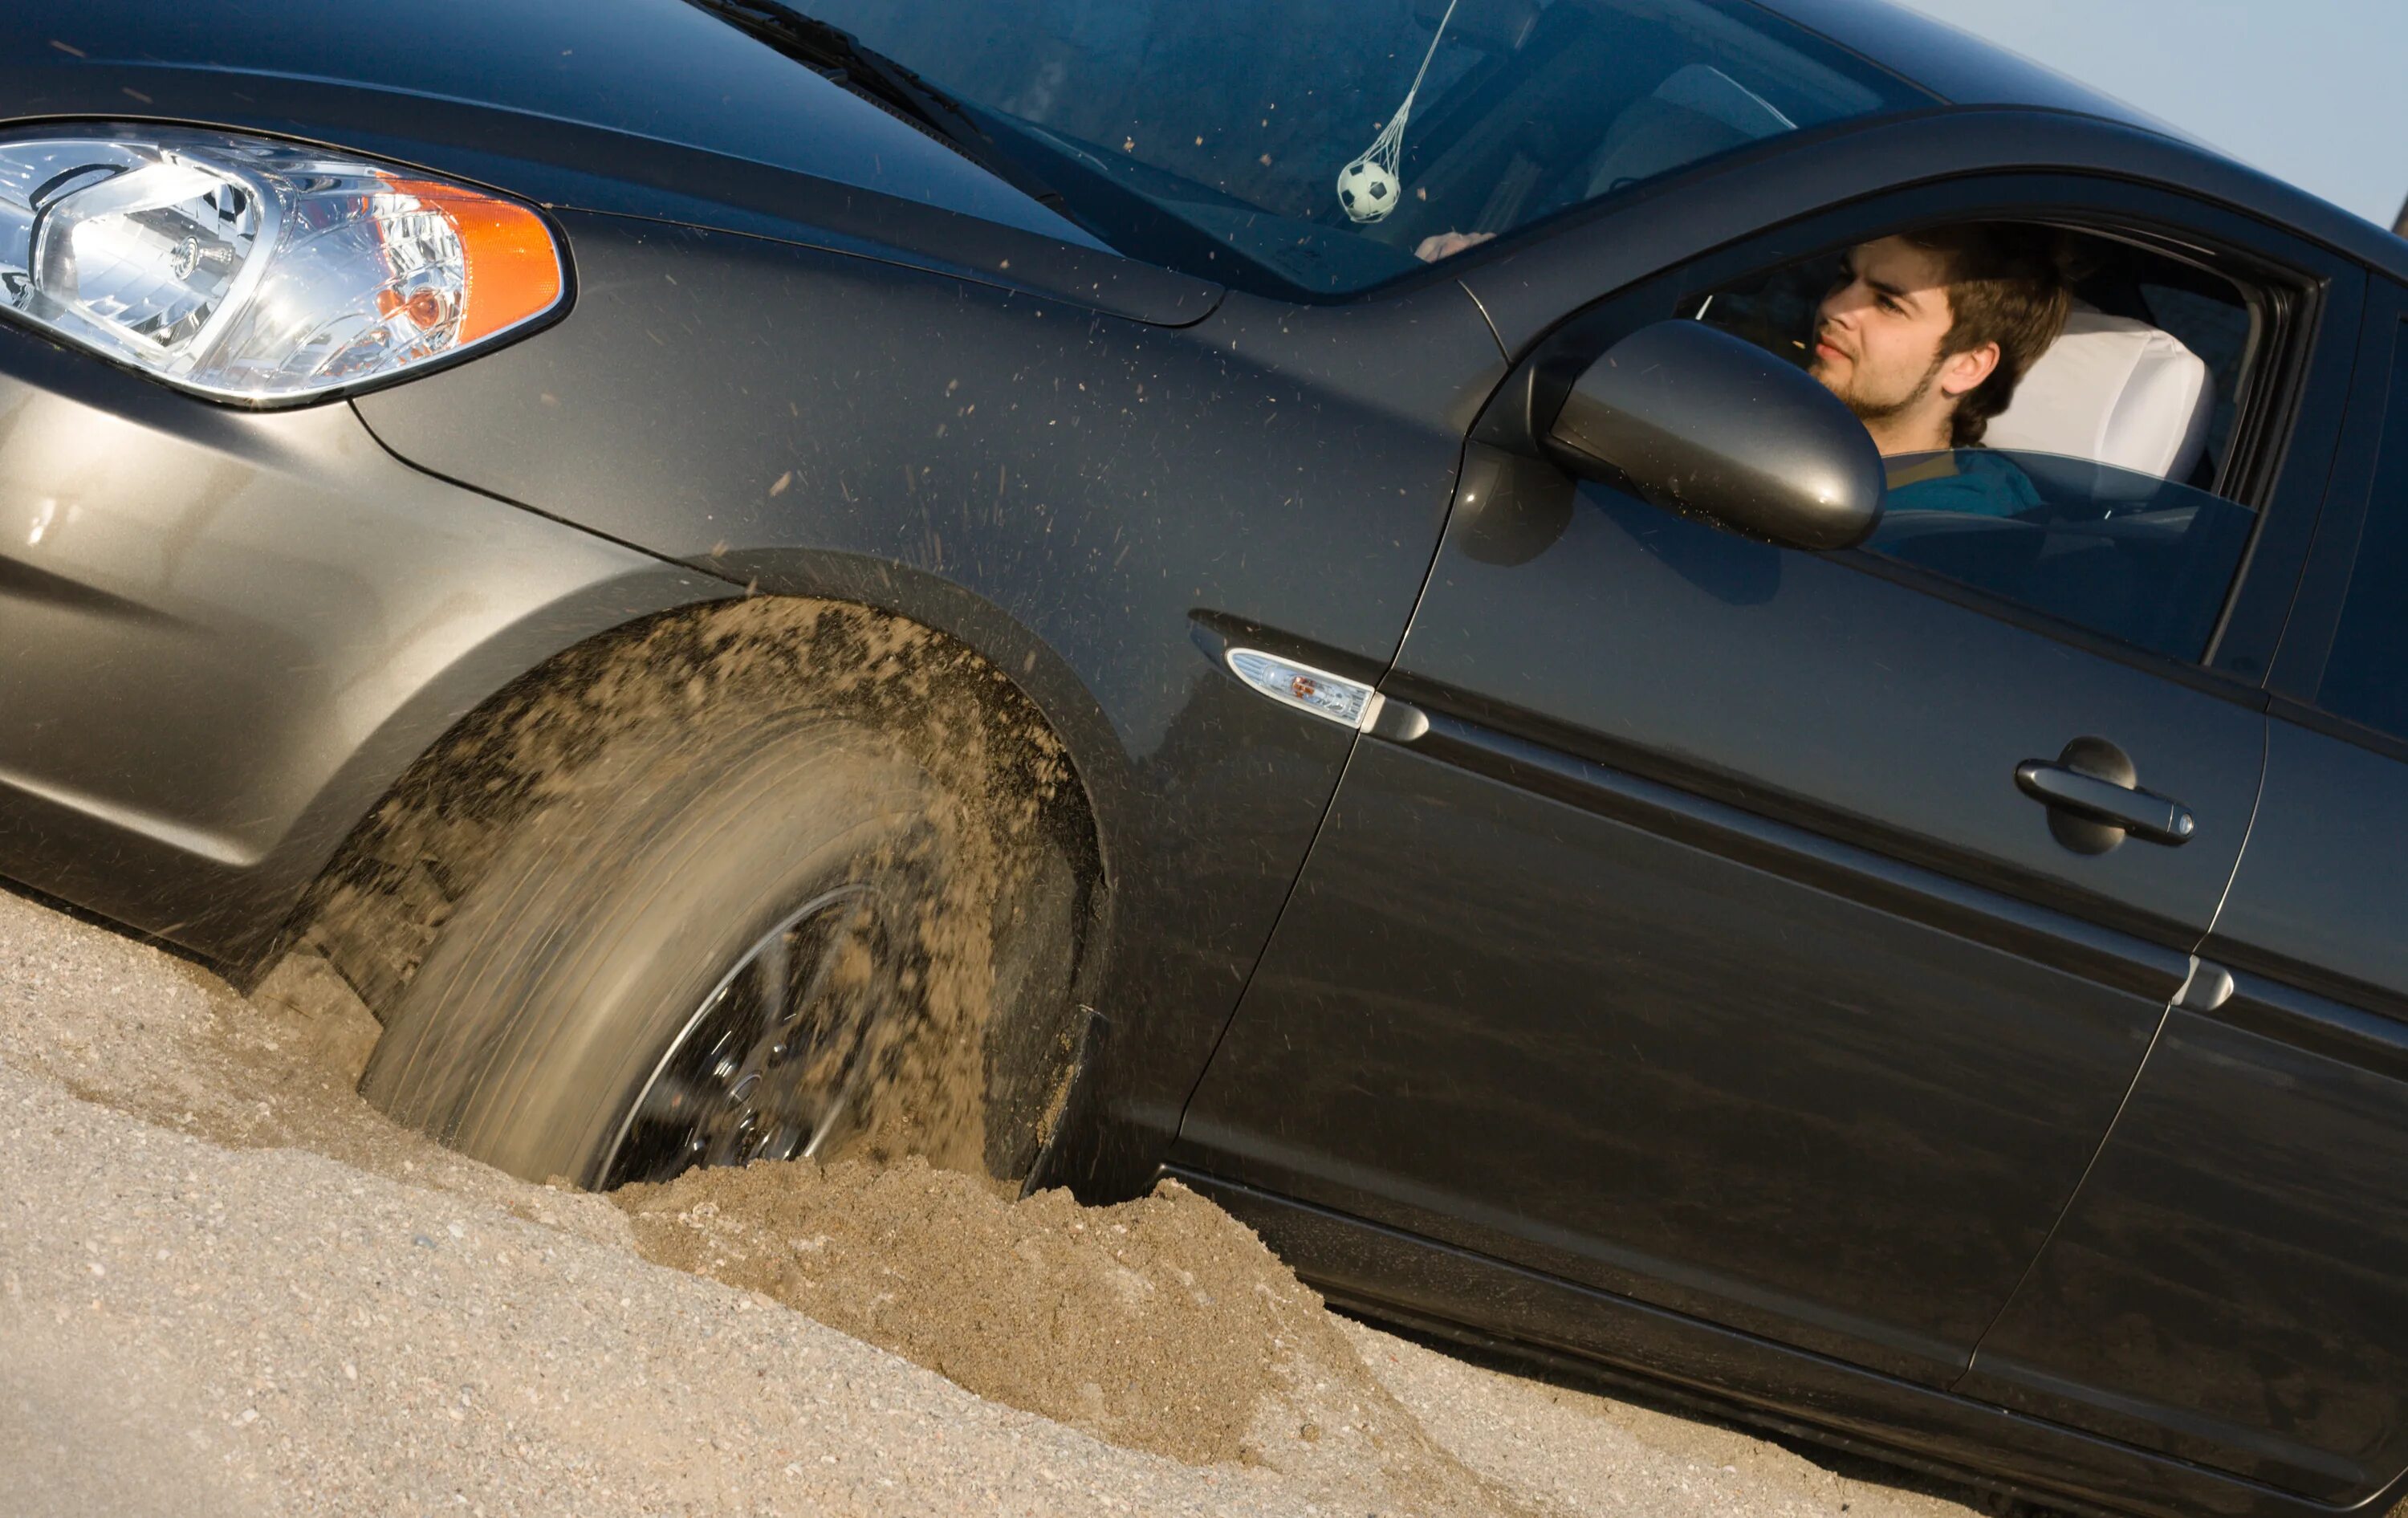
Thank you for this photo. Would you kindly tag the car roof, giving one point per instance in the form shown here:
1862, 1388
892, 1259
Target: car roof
1961, 69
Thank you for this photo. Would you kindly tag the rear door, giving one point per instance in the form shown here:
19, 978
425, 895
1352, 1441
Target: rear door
1683, 931
2231, 1285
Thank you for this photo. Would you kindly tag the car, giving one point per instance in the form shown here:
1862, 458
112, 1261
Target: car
1256, 595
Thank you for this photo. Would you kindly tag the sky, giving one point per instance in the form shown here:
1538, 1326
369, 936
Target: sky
2312, 90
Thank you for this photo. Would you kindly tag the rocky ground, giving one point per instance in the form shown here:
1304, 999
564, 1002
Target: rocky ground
228, 1287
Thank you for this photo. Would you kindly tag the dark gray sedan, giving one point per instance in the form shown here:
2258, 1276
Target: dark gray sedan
1263, 593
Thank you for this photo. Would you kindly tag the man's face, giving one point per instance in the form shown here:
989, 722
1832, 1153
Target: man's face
1878, 335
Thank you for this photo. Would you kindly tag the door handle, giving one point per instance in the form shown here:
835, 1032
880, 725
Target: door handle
2142, 814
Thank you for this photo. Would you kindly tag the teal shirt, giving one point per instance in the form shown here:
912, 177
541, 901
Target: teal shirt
1970, 482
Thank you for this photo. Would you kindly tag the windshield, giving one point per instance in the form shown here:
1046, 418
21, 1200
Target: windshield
1289, 148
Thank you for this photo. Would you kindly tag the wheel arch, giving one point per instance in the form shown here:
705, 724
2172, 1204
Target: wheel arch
383, 892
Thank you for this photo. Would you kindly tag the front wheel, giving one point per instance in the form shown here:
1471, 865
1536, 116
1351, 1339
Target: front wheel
783, 938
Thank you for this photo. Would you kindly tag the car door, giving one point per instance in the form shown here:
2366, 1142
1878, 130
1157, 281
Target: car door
2228, 1284
1682, 929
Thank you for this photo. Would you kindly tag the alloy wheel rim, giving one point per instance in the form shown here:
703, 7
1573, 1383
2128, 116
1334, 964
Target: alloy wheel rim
771, 1064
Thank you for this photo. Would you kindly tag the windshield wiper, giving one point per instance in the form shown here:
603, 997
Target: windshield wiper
838, 56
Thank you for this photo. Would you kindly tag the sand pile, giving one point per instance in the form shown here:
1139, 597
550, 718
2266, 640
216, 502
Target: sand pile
1161, 1324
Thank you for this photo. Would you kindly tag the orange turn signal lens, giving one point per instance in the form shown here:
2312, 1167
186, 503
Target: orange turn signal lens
513, 270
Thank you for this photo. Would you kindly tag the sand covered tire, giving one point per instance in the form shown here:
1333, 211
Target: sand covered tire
779, 937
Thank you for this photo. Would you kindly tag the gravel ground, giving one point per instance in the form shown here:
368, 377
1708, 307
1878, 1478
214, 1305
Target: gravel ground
226, 1287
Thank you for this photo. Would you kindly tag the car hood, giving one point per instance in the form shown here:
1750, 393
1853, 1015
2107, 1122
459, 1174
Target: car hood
595, 94
659, 69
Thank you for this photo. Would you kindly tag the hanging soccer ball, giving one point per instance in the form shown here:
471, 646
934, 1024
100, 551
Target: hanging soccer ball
1371, 186
1367, 190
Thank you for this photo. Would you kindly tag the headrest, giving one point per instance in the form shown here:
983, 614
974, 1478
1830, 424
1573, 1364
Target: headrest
2117, 391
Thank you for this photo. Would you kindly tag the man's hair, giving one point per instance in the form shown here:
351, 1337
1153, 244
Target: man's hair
2005, 286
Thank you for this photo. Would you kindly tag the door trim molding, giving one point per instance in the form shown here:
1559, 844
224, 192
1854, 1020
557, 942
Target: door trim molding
2040, 934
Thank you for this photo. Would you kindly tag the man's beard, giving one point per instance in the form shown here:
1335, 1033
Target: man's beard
1870, 411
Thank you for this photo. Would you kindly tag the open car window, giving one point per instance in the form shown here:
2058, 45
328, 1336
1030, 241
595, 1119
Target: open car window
2149, 376
1249, 141
2106, 495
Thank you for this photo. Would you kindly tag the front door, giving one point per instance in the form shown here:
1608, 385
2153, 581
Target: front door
1688, 935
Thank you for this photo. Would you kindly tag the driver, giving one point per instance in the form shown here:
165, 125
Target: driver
1925, 337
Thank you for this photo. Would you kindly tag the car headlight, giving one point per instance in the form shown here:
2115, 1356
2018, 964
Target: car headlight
260, 271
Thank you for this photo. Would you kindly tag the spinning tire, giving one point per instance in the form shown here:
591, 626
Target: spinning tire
770, 941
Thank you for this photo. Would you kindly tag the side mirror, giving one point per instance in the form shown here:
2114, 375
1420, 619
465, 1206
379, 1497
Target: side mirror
1703, 424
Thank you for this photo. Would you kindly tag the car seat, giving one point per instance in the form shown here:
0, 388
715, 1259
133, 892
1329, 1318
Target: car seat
2114, 391
2124, 407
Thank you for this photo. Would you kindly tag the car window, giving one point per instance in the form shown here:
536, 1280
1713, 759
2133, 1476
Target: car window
1270, 132
2366, 674
2125, 554
2099, 497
